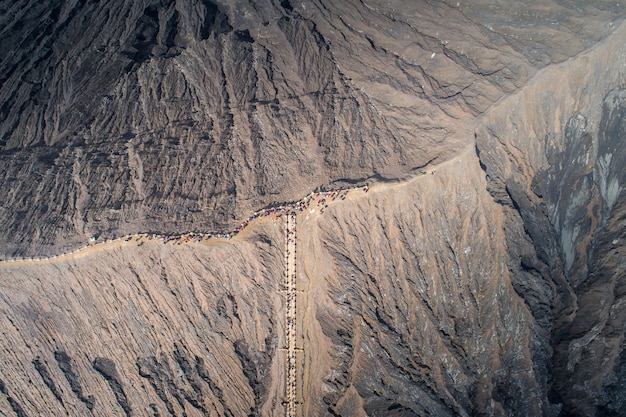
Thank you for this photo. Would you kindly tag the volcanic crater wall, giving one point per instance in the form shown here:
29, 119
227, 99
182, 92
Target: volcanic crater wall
494, 286
554, 160
144, 330
166, 116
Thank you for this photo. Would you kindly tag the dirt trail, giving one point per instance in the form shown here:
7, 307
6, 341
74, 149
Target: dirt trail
291, 378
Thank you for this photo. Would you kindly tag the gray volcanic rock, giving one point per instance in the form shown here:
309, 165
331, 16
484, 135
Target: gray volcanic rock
418, 324
120, 117
567, 192
482, 274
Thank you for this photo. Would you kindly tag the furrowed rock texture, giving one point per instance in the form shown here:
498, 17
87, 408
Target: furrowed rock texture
143, 331
494, 286
119, 117
558, 171
413, 315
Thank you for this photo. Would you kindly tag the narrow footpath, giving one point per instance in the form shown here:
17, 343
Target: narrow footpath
290, 316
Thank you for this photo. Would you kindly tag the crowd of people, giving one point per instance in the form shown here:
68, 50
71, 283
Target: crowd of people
290, 313
315, 200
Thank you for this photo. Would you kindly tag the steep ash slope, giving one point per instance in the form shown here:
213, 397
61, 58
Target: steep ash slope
555, 160
136, 116
494, 287
417, 321
144, 330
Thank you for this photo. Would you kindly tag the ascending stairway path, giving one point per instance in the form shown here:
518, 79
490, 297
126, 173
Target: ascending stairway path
290, 316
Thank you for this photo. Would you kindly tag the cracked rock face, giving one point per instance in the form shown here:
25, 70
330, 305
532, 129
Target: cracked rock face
492, 285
